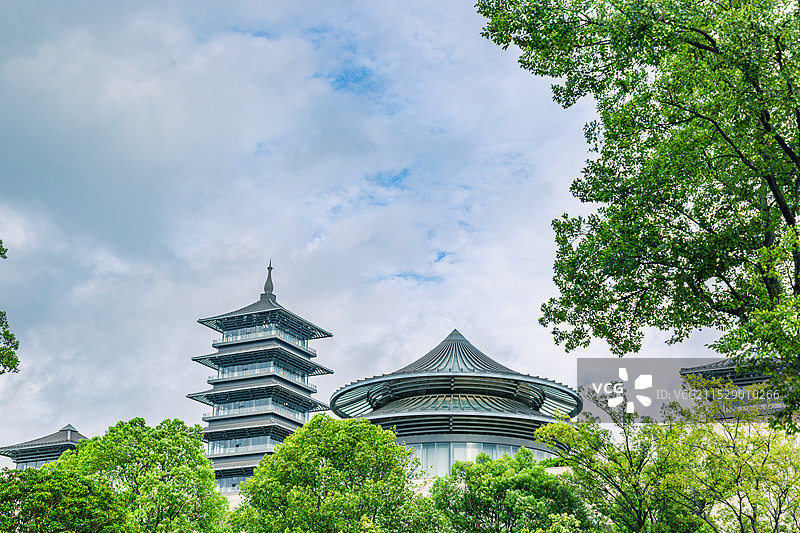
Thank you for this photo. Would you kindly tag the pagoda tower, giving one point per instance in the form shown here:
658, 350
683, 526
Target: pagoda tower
455, 402
260, 390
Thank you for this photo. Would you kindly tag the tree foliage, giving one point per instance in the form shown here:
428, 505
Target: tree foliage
696, 179
8, 342
505, 495
737, 473
330, 476
618, 470
716, 467
160, 474
562, 523
57, 498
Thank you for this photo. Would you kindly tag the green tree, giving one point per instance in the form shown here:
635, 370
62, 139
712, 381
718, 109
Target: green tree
160, 474
562, 523
507, 494
620, 469
696, 179
58, 499
714, 467
329, 476
733, 470
8, 342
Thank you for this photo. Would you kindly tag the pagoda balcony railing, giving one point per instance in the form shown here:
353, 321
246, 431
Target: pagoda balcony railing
253, 448
262, 333
268, 408
271, 369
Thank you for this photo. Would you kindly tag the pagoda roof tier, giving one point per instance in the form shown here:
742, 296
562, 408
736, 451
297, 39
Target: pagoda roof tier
55, 443
261, 354
275, 426
271, 388
266, 311
475, 423
235, 468
455, 367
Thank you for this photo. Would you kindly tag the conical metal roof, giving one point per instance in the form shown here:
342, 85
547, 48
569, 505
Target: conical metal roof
455, 370
455, 354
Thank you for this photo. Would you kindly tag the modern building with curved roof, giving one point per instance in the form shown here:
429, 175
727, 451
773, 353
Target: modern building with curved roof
455, 402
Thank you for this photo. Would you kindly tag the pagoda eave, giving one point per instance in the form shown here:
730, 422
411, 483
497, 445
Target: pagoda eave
217, 360
278, 390
299, 326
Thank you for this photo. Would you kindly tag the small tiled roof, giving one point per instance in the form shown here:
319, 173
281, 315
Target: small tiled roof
722, 364
726, 369
67, 435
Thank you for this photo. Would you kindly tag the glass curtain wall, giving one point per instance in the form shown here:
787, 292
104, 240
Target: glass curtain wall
437, 457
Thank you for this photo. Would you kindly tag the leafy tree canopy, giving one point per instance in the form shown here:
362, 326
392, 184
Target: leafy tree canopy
331, 476
696, 180
58, 498
160, 474
731, 469
562, 523
8, 342
619, 470
508, 495
714, 467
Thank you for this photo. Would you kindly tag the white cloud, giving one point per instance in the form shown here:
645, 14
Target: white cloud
400, 170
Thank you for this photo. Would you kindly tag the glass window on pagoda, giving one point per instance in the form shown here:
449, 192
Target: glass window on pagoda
251, 369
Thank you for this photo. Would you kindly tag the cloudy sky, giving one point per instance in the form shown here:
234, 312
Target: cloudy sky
400, 171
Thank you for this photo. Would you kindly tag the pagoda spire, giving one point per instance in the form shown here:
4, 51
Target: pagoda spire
268, 288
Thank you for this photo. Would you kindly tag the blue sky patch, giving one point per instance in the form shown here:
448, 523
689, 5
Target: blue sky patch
259, 33
420, 279
441, 254
390, 179
357, 80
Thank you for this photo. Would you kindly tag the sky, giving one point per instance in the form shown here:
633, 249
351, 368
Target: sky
399, 170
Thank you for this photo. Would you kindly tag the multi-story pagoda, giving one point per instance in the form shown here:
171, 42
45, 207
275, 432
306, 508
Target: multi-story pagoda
260, 392
456, 402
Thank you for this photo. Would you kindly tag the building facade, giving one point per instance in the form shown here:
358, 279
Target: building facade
456, 402
260, 390
38, 452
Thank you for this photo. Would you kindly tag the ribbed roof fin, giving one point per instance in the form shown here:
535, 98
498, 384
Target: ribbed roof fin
455, 335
